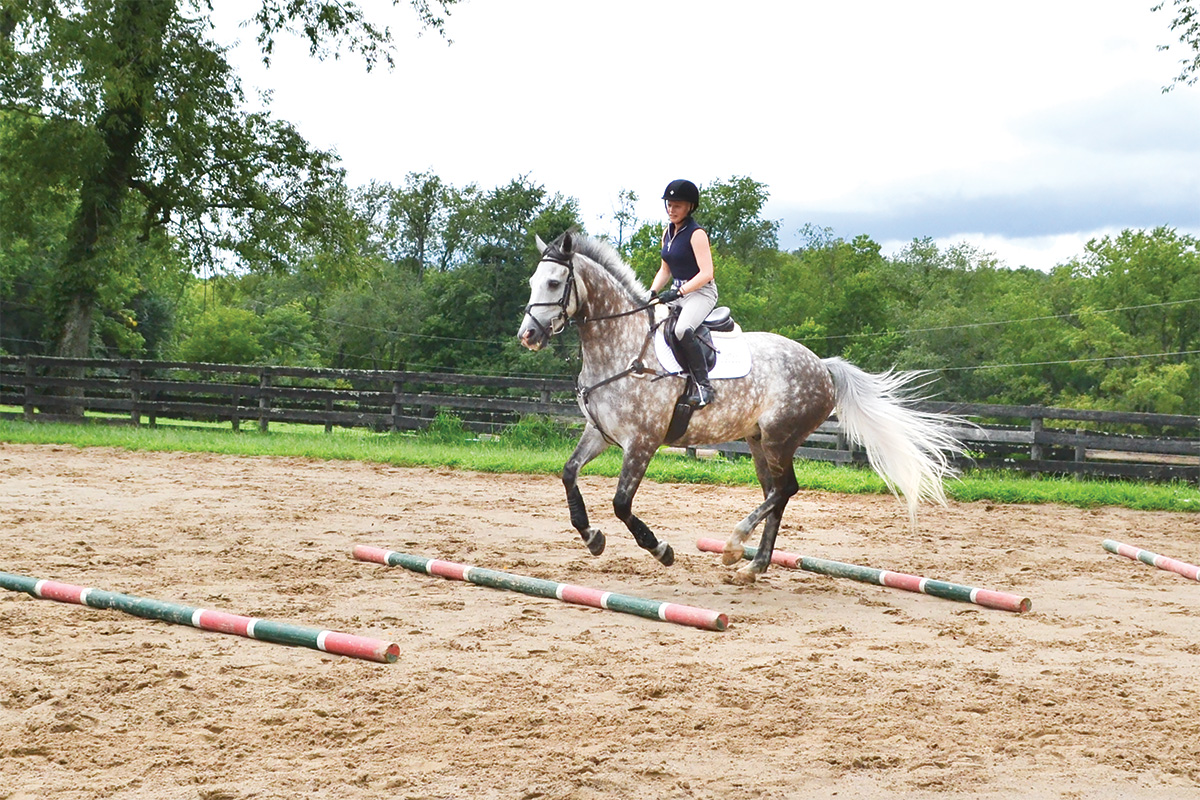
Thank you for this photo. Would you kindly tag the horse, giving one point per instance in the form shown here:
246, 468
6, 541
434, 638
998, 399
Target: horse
628, 400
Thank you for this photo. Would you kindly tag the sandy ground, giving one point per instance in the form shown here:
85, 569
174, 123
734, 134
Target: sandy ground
820, 688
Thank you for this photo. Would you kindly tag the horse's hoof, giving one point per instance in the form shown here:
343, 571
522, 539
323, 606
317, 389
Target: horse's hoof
732, 554
664, 554
594, 540
744, 576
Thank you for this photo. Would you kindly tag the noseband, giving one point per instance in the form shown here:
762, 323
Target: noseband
559, 322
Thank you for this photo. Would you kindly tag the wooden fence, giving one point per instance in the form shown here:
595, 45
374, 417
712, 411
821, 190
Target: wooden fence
1028, 438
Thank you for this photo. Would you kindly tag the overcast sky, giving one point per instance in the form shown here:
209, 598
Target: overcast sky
1024, 128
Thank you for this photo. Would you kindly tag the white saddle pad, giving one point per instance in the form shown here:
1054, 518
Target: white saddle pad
733, 354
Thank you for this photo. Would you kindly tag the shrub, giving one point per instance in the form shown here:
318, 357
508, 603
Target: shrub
445, 428
539, 431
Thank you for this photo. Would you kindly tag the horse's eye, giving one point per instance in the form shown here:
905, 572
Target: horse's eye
554, 284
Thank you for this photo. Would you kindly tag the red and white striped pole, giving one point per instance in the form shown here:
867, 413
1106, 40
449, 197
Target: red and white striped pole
343, 644
540, 587
896, 580
1153, 559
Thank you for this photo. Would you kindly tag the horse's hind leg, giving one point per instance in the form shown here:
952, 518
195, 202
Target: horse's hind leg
785, 487
591, 444
633, 469
733, 551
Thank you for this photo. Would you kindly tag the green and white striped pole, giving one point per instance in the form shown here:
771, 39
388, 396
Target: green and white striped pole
896, 580
343, 644
540, 587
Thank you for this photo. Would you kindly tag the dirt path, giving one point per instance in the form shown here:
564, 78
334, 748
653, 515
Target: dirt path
821, 688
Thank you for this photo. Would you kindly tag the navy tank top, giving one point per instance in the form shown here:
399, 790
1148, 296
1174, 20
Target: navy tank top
677, 250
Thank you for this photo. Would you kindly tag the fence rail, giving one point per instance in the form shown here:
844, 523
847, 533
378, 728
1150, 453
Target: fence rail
1027, 438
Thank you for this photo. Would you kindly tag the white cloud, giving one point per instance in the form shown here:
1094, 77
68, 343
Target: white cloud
1024, 122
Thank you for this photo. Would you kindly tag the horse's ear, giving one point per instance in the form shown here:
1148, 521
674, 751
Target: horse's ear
567, 245
541, 246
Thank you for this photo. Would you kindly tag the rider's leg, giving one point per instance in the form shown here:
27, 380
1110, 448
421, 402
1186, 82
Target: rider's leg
702, 392
693, 308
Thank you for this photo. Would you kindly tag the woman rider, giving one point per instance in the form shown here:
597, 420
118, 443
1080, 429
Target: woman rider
688, 266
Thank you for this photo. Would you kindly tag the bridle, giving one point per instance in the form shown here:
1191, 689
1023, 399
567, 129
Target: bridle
563, 303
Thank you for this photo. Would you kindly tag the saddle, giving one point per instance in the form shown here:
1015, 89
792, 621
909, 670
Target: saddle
721, 342
720, 319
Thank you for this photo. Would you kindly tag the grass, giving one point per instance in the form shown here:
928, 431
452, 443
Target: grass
541, 447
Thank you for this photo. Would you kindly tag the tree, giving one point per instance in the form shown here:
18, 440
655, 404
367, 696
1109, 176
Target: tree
149, 111
731, 213
1136, 294
225, 335
424, 223
1187, 23
370, 325
473, 309
626, 215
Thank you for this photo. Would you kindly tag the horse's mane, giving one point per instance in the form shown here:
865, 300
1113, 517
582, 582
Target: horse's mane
607, 257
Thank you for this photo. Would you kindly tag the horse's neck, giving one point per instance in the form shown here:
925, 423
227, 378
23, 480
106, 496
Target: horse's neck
618, 339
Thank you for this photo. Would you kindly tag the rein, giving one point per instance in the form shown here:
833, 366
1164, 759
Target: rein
636, 367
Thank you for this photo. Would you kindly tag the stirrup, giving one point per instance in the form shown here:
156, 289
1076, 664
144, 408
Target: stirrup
699, 394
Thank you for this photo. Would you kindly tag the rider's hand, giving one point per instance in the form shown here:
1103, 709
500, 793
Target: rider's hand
668, 296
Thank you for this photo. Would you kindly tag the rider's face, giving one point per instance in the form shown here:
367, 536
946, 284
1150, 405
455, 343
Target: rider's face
678, 210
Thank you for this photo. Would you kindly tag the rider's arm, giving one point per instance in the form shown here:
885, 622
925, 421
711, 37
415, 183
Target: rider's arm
704, 260
662, 278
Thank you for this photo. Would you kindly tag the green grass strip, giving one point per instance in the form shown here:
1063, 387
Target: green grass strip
500, 456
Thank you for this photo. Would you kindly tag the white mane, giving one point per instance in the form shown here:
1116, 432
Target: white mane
607, 257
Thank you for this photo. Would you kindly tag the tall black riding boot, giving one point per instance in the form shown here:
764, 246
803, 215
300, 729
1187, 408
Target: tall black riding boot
700, 391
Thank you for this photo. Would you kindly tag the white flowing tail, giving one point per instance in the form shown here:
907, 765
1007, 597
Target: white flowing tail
908, 448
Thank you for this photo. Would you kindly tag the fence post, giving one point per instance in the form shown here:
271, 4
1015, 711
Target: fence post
843, 443
1035, 449
397, 389
264, 402
236, 419
329, 415
29, 376
1080, 450
135, 396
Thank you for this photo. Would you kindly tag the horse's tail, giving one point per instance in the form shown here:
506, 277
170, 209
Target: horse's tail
908, 448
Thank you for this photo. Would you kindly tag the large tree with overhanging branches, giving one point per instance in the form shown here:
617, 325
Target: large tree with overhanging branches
130, 110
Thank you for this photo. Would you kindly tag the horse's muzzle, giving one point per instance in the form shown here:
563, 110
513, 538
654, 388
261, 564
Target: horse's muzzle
532, 337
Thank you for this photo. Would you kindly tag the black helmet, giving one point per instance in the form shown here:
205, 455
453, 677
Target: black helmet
682, 190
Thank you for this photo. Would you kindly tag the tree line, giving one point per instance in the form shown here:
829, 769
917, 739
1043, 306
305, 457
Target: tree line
144, 213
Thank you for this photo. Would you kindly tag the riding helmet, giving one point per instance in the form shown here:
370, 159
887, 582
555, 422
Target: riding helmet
682, 190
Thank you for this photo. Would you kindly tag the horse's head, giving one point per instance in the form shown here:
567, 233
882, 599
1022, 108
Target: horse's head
554, 293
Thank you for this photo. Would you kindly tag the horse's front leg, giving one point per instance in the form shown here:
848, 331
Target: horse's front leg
633, 469
591, 444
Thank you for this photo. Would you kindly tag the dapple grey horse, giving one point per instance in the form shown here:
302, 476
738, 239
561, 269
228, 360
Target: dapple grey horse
628, 400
